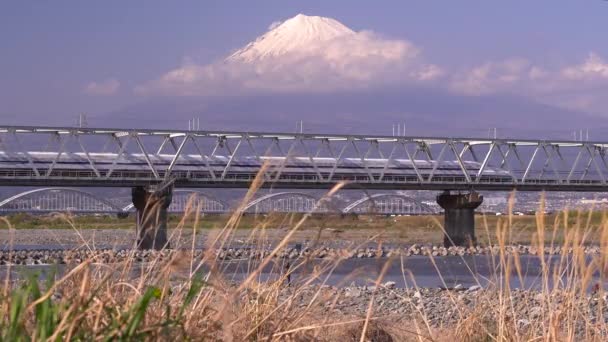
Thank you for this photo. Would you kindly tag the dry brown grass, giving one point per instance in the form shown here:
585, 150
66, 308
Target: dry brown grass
190, 298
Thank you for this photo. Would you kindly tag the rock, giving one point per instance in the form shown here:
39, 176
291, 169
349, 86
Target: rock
474, 288
390, 284
535, 312
523, 323
352, 293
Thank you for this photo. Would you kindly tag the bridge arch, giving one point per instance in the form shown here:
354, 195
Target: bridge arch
57, 199
388, 203
181, 200
284, 202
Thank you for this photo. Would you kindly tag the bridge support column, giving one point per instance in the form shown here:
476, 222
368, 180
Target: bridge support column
459, 220
151, 216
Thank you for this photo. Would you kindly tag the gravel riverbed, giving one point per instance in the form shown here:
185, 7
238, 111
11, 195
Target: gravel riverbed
105, 255
445, 307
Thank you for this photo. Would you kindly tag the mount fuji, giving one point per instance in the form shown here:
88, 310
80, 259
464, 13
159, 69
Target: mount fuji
312, 53
302, 54
301, 34
337, 80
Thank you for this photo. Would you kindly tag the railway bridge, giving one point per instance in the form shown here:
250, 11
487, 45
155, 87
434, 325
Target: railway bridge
155, 162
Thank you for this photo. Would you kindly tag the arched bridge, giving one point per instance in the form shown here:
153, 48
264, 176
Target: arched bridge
58, 200
289, 202
190, 200
77, 201
387, 204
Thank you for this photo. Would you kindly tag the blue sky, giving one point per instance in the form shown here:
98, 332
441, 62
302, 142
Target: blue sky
51, 51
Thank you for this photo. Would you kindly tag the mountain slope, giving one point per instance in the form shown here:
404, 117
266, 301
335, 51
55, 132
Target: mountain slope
299, 34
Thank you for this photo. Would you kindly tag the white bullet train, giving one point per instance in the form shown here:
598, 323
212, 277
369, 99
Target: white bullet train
195, 167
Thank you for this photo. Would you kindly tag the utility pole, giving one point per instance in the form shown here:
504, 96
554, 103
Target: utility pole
82, 120
300, 126
194, 124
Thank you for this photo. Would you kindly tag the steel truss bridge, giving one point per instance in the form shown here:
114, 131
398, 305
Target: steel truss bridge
67, 157
48, 200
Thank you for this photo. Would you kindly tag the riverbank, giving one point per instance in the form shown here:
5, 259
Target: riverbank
326, 282
340, 238
109, 230
216, 309
397, 298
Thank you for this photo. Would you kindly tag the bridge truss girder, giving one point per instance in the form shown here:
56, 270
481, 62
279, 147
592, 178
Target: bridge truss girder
373, 162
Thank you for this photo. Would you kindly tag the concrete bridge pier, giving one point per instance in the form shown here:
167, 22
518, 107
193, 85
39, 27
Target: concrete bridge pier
151, 208
459, 219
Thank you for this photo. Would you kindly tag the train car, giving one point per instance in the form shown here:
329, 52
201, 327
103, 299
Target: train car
196, 167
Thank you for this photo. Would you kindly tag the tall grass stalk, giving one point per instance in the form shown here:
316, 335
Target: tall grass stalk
187, 294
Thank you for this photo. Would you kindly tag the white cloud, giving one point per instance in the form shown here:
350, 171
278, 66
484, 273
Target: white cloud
491, 77
579, 86
594, 68
520, 75
353, 61
102, 88
369, 61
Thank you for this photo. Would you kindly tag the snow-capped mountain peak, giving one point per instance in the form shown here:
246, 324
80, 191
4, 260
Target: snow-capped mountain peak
298, 34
